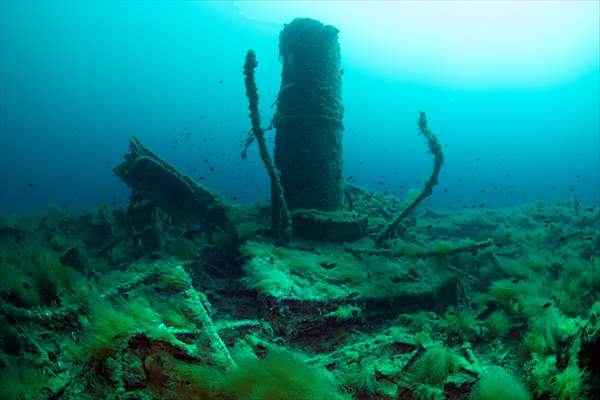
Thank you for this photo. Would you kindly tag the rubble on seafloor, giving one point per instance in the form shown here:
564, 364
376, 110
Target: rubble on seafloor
145, 303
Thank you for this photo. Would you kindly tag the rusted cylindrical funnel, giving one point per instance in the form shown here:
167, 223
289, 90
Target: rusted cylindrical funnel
308, 142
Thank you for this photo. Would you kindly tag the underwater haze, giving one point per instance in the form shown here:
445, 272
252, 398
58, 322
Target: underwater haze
511, 88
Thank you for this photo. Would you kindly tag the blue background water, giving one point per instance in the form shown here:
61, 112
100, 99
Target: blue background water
78, 78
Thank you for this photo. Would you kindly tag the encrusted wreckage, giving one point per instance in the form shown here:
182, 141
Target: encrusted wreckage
332, 292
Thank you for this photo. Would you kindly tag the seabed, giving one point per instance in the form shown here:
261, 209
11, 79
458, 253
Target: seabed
117, 303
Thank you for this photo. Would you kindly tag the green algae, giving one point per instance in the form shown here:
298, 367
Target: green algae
352, 325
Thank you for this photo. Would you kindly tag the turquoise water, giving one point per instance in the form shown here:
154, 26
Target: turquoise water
514, 97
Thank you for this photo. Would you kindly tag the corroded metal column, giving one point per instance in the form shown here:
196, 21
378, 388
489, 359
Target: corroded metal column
308, 142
